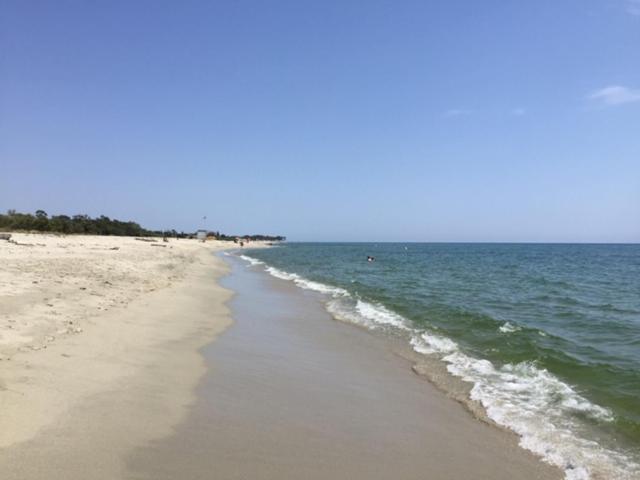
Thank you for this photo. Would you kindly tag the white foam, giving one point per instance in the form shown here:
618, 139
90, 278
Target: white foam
345, 311
321, 287
427, 343
352, 310
378, 314
252, 261
307, 284
540, 408
370, 315
281, 274
509, 328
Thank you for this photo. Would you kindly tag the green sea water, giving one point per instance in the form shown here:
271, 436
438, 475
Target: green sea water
547, 334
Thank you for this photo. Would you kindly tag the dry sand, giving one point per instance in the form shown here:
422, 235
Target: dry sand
85, 317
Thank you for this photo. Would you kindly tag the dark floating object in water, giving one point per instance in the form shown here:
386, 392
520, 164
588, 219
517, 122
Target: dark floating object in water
370, 258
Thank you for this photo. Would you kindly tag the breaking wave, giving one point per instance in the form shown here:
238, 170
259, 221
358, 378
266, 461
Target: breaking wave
509, 328
252, 261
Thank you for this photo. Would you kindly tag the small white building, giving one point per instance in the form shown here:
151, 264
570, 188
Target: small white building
201, 235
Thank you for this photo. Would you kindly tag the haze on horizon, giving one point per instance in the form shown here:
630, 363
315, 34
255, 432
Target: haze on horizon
376, 120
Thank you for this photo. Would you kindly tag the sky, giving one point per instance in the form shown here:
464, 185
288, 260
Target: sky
407, 120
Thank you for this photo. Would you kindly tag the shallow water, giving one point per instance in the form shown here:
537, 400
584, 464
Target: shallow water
549, 335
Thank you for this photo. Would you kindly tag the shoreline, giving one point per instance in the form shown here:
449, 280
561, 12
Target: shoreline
291, 393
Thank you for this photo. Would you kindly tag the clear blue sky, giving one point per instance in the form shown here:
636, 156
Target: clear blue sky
346, 120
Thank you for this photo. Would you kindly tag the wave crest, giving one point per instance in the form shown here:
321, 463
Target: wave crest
252, 261
507, 327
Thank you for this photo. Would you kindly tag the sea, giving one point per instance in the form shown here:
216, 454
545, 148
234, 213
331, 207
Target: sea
547, 336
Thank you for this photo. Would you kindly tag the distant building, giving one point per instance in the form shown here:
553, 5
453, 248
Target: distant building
201, 235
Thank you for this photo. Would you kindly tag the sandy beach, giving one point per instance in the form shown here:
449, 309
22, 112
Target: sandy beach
110, 319
128, 359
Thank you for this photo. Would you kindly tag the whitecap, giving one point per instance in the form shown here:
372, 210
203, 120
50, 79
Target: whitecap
342, 309
509, 328
538, 406
541, 409
381, 315
307, 284
321, 287
252, 261
428, 343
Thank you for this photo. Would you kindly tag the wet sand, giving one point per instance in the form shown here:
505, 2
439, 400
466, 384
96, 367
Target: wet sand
291, 393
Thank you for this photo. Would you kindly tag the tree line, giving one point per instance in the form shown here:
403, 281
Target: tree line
253, 238
40, 221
